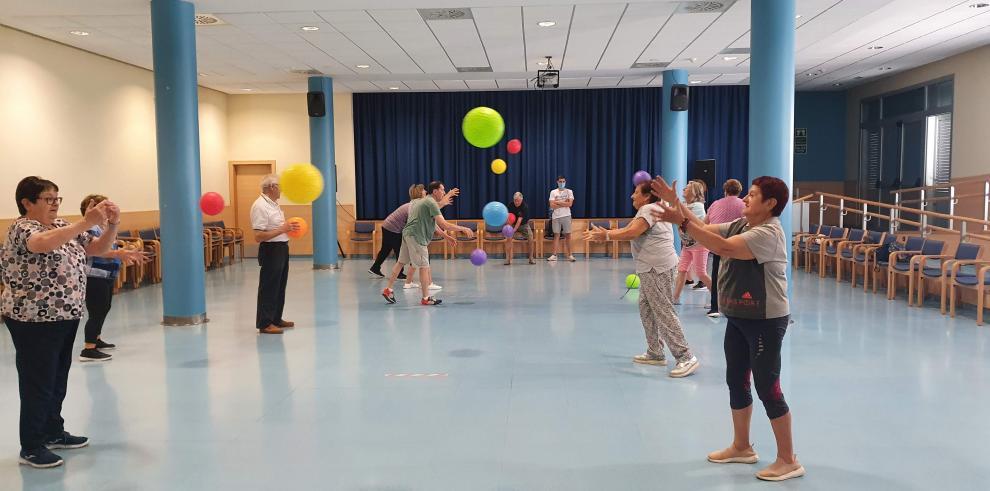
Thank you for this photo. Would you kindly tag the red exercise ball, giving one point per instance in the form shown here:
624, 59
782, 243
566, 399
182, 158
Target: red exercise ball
514, 146
511, 220
211, 203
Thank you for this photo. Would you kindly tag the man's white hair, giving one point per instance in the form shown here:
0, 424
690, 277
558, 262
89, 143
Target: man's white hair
517, 195
268, 181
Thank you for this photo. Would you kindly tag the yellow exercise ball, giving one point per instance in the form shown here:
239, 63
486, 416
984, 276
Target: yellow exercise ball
498, 166
301, 183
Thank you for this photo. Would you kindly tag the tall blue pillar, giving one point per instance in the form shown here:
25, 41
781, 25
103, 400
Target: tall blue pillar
673, 148
321, 152
177, 130
771, 96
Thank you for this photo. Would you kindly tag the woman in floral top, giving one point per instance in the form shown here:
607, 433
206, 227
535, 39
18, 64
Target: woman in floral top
44, 275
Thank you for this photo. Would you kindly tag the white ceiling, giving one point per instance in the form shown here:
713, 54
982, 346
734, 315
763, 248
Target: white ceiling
594, 43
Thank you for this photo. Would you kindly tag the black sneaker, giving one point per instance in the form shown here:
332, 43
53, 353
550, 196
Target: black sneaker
688, 282
40, 458
376, 272
65, 440
430, 301
389, 295
699, 286
103, 345
401, 276
92, 354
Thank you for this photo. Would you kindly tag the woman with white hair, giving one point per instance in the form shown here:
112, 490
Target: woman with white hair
270, 231
521, 226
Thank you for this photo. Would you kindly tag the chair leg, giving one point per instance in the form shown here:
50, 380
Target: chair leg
952, 300
980, 300
943, 282
910, 296
838, 270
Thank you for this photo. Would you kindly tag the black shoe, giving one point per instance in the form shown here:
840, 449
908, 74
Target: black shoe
376, 272
65, 440
699, 286
92, 354
401, 276
40, 458
103, 345
688, 282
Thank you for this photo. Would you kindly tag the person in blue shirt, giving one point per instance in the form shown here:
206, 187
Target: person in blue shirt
101, 274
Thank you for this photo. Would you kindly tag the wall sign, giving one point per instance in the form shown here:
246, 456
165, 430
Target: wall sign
800, 140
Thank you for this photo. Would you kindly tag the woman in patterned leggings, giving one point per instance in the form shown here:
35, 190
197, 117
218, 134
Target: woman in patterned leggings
752, 291
656, 261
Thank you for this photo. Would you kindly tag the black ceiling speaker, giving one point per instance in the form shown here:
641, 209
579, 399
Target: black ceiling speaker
679, 97
317, 103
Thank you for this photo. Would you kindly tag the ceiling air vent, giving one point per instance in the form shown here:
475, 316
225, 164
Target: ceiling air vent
445, 14
305, 71
474, 69
704, 7
208, 20
651, 64
735, 51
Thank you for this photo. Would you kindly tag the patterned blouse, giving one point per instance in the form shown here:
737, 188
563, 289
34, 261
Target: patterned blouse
45, 287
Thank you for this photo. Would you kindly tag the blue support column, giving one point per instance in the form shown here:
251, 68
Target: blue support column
673, 160
177, 129
771, 96
321, 151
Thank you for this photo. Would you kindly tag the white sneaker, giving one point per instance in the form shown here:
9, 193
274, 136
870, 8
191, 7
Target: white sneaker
714, 315
685, 368
434, 286
552, 258
648, 359
410, 286
571, 258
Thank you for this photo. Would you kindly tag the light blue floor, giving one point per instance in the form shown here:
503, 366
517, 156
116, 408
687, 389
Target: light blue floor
536, 391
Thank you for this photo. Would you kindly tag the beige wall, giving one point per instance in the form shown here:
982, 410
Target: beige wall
88, 123
971, 109
276, 127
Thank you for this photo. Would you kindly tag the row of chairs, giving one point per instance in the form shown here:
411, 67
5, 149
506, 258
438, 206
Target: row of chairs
486, 237
914, 258
220, 243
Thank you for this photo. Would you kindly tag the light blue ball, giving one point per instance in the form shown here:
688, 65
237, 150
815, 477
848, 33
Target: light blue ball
495, 214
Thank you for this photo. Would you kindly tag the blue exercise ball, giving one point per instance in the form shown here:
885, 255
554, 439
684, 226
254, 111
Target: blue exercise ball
495, 214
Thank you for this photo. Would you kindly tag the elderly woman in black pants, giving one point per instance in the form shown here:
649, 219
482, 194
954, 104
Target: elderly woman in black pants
44, 275
752, 291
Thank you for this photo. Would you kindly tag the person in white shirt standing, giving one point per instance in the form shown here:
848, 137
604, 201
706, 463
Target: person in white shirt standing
270, 229
561, 201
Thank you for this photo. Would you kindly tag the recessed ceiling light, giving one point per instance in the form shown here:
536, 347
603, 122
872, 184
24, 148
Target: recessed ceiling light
541, 63
393, 88
247, 90
696, 81
364, 66
874, 47
798, 16
729, 58
310, 28
546, 23
980, 5
79, 33
837, 84
202, 74
885, 68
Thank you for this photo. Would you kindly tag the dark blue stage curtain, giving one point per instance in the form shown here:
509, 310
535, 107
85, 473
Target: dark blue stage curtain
597, 139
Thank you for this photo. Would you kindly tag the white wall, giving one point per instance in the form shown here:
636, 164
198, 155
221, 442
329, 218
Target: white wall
88, 123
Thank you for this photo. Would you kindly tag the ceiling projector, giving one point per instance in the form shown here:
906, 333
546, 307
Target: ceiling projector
548, 78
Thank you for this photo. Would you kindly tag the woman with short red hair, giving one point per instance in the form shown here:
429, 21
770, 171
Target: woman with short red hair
752, 294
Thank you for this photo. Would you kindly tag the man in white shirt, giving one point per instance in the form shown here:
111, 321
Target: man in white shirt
270, 229
561, 200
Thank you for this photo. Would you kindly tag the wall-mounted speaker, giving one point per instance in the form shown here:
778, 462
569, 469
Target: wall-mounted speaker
679, 97
317, 104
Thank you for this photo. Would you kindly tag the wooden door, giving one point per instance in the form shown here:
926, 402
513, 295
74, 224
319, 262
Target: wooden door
245, 188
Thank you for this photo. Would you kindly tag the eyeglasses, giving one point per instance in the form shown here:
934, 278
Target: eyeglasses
53, 201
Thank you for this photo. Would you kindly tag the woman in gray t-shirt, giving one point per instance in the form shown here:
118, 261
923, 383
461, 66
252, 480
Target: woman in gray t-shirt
752, 294
656, 263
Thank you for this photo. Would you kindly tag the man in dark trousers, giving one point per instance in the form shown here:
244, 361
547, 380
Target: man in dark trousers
270, 229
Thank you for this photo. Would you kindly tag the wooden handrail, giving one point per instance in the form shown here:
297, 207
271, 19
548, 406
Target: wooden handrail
952, 182
802, 199
943, 198
979, 236
905, 209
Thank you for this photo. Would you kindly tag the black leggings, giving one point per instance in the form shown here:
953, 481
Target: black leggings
753, 346
714, 289
391, 242
99, 295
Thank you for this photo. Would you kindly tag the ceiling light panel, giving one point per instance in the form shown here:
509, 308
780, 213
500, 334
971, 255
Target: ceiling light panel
412, 34
591, 31
542, 42
725, 30
638, 26
502, 34
364, 32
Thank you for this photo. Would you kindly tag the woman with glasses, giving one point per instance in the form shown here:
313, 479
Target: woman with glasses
44, 275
